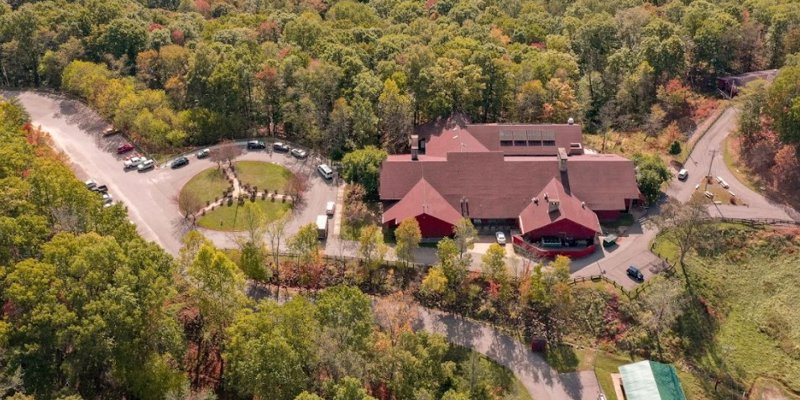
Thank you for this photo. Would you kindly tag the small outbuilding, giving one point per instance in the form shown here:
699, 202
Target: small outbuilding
650, 380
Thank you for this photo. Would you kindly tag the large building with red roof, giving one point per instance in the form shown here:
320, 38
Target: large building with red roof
535, 179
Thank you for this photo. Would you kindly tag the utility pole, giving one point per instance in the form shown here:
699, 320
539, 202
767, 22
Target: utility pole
713, 153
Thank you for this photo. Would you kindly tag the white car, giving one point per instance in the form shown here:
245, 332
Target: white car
107, 199
501, 238
330, 208
133, 162
90, 183
145, 165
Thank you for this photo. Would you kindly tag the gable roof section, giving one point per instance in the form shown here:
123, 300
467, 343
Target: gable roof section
536, 216
603, 181
422, 199
650, 380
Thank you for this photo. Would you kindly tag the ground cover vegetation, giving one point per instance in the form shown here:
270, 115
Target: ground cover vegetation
91, 310
768, 136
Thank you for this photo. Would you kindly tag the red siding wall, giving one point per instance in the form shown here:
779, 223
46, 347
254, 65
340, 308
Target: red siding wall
562, 227
607, 215
432, 227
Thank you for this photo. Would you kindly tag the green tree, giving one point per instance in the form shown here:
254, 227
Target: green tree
493, 264
350, 389
270, 351
408, 236
123, 37
305, 244
80, 317
363, 166
651, 174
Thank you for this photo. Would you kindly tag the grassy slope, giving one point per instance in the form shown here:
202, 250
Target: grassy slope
264, 175
224, 218
753, 289
206, 185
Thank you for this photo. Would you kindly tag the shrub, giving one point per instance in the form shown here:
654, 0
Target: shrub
675, 148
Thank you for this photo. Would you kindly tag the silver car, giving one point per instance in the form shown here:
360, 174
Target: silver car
501, 238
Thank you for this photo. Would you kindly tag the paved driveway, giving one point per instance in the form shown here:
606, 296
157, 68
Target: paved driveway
75, 130
542, 381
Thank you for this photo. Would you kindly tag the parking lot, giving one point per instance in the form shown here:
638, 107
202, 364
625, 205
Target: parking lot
150, 196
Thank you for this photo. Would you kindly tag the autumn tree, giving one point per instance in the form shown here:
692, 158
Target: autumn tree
408, 236
371, 249
464, 234
394, 110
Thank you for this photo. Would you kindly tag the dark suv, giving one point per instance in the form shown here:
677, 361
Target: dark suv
179, 162
634, 273
256, 145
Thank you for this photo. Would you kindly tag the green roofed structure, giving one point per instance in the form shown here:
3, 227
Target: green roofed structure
650, 380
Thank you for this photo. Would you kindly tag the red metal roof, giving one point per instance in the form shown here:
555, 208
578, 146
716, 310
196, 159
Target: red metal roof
537, 215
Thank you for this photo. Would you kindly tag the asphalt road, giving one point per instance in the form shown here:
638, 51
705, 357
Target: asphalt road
634, 249
149, 196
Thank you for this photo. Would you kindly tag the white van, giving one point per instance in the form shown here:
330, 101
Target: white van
683, 174
325, 171
322, 227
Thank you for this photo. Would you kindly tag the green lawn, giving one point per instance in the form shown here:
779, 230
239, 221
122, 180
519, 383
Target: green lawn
263, 175
225, 218
606, 364
206, 185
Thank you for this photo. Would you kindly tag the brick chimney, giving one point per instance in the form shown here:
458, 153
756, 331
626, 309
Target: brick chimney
562, 159
414, 147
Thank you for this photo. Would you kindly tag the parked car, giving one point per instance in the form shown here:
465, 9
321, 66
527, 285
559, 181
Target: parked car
634, 273
501, 238
133, 162
90, 184
330, 208
256, 145
145, 165
100, 189
325, 171
299, 153
110, 131
107, 199
280, 146
125, 148
203, 153
179, 162
683, 174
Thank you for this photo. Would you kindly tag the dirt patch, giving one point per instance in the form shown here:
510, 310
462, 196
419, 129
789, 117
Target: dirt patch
768, 389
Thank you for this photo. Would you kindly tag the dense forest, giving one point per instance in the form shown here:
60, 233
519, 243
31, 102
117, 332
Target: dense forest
338, 75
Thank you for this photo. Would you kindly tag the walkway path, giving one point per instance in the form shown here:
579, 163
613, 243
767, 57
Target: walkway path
542, 381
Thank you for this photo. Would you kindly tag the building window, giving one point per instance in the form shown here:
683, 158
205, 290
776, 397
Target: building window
535, 143
549, 143
506, 143
520, 143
